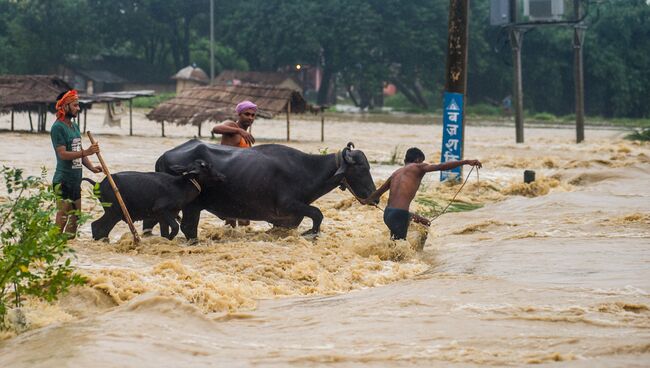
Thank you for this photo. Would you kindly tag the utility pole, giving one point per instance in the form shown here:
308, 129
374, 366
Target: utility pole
516, 40
578, 76
211, 42
453, 132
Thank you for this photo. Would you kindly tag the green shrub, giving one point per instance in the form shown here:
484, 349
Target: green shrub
483, 109
569, 117
34, 255
150, 102
639, 135
399, 102
544, 116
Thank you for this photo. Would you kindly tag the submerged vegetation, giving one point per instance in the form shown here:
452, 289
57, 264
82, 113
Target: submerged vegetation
434, 208
639, 135
150, 102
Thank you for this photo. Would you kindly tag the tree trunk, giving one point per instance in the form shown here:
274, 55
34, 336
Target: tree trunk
401, 87
351, 94
185, 46
417, 87
174, 43
323, 91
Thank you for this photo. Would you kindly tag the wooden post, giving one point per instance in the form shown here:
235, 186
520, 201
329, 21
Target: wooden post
118, 196
288, 121
12, 119
130, 116
31, 125
200, 130
40, 119
322, 125
85, 118
455, 80
578, 74
163, 128
516, 39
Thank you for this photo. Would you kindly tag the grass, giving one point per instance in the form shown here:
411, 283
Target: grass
433, 208
149, 102
639, 135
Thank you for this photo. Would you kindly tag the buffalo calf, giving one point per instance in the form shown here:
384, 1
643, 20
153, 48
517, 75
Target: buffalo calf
152, 195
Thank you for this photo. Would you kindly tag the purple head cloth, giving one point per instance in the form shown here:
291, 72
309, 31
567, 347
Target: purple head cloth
245, 105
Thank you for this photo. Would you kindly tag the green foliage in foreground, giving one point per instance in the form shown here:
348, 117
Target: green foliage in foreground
34, 256
150, 102
433, 208
639, 135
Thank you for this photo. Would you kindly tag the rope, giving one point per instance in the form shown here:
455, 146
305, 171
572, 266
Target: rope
457, 192
345, 182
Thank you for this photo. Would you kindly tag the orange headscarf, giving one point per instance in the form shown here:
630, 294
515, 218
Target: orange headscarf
69, 97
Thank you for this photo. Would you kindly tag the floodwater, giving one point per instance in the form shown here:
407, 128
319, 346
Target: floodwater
555, 271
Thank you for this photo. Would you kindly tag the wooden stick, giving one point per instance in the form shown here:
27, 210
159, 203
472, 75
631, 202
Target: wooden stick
136, 239
288, 120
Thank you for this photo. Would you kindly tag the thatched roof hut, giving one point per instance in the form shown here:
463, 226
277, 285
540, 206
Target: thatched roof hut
189, 77
28, 92
217, 102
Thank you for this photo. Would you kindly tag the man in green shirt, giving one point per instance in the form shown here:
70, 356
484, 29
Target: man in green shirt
66, 140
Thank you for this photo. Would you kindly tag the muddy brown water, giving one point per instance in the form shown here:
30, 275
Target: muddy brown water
558, 271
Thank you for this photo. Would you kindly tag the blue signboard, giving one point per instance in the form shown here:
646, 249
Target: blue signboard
452, 133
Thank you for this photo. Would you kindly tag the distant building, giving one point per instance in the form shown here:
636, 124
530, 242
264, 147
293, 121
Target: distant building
114, 73
91, 81
189, 77
273, 79
389, 89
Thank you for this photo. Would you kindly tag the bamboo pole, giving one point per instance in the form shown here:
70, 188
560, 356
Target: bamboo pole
12, 119
322, 125
125, 211
31, 125
163, 128
130, 116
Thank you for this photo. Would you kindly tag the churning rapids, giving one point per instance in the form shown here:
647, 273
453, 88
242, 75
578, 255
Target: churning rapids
557, 270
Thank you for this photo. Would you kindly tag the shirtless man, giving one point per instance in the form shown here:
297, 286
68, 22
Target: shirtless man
403, 185
235, 133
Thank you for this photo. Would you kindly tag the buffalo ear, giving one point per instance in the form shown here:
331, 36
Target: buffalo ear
346, 153
350, 145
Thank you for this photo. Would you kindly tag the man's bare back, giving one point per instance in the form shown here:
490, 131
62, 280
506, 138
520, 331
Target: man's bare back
404, 184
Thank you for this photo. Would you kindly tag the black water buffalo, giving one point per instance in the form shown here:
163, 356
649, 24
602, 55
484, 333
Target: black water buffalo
272, 183
153, 195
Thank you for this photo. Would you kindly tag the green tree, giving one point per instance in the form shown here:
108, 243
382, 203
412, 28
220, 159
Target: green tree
40, 33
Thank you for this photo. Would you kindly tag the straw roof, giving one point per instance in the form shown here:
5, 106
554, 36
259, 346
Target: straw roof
217, 102
192, 73
25, 92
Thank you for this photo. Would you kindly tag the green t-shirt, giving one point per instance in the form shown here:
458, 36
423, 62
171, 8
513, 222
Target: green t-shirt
68, 171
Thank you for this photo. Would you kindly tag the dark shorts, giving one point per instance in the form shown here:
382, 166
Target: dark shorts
397, 221
68, 191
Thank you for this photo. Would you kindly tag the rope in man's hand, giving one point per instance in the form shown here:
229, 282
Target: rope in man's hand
421, 219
